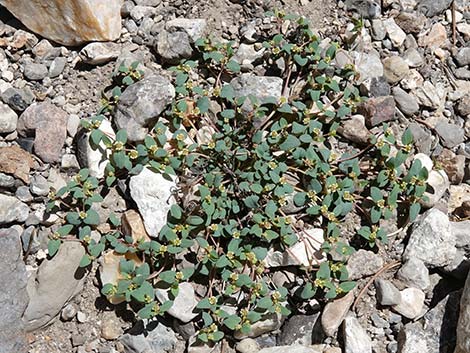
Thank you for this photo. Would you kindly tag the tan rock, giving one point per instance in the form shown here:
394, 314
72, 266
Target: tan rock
335, 312
435, 38
14, 160
133, 225
69, 22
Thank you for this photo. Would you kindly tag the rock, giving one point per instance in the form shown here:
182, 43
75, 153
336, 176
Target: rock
39, 185
18, 99
363, 263
463, 107
463, 327
412, 80
405, 102
436, 38
368, 65
387, 293
132, 225
68, 312
356, 339
365, 8
100, 53
268, 323
262, 87
299, 330
463, 57
378, 30
16, 161
451, 135
69, 162
95, 158
462, 73
35, 72
411, 304
378, 110
413, 57
48, 124
156, 338
459, 194
438, 182
431, 240
335, 312
354, 129
412, 339
454, 165
57, 67
290, 349
110, 326
13, 296
174, 46
379, 87
141, 104
395, 69
395, 33
432, 8
411, 22
422, 138
8, 119
428, 95
12, 210
195, 28
69, 22
247, 53
153, 195
441, 324
414, 273
248, 345
303, 253
56, 282
183, 304
460, 231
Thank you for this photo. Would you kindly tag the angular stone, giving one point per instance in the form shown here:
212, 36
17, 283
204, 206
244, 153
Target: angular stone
35, 72
69, 22
395, 33
290, 349
414, 273
431, 240
49, 125
174, 46
451, 135
438, 184
356, 339
335, 312
368, 65
433, 7
13, 296
299, 330
441, 324
56, 282
463, 57
8, 119
395, 69
95, 158
100, 53
132, 225
463, 327
194, 27
387, 293
454, 165
411, 304
153, 195
12, 210
378, 110
405, 102
183, 304
365, 8
435, 38
14, 160
261, 87
412, 339
155, 338
141, 104
248, 345
355, 130
428, 95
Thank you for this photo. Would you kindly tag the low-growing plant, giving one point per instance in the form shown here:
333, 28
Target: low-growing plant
254, 174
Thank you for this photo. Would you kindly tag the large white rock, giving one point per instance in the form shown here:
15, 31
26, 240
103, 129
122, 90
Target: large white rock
356, 339
153, 195
69, 22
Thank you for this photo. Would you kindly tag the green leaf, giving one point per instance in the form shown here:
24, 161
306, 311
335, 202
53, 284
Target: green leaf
308, 291
414, 211
65, 230
195, 220
407, 137
53, 246
176, 211
347, 286
92, 217
85, 261
233, 66
168, 276
232, 321
203, 104
121, 136
300, 60
376, 194
290, 143
251, 201
222, 262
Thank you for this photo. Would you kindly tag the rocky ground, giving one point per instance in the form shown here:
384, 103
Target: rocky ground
413, 60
